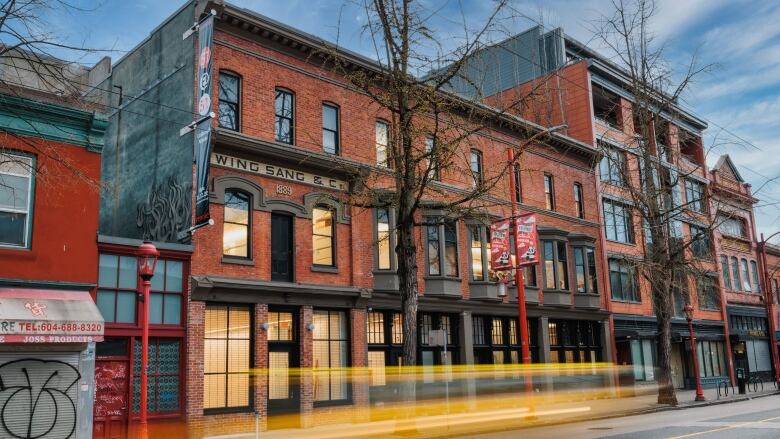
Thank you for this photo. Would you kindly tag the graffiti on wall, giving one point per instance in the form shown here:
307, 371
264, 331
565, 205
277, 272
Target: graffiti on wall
166, 211
36, 399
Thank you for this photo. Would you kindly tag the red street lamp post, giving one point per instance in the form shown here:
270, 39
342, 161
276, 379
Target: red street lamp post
147, 261
525, 351
689, 316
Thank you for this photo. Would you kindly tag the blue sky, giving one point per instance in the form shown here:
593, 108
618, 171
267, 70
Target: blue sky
740, 97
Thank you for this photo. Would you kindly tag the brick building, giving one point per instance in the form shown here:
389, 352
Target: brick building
738, 249
590, 98
289, 276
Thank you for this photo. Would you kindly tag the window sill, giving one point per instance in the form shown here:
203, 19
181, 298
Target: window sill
220, 411
237, 261
627, 302
324, 269
633, 244
432, 277
14, 247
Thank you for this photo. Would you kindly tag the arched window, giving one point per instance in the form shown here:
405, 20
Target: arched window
323, 248
235, 234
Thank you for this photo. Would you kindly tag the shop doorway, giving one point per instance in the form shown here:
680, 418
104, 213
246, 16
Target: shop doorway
112, 374
678, 375
283, 369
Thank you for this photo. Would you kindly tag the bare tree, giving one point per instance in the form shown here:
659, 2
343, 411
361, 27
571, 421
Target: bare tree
652, 172
430, 131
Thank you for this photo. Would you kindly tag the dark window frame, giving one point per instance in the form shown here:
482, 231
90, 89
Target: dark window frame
348, 357
626, 275
626, 216
557, 262
235, 106
391, 240
439, 225
478, 174
549, 192
336, 132
251, 386
579, 203
695, 193
590, 274
281, 92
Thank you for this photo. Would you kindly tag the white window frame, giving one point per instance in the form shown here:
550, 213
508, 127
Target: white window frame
28, 210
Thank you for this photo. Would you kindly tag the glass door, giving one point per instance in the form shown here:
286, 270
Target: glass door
283, 372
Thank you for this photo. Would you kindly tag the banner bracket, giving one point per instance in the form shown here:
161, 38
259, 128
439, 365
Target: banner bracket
191, 127
191, 231
196, 26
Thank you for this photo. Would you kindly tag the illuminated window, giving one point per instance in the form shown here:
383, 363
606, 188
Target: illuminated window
330, 355
480, 253
235, 232
579, 208
376, 328
226, 357
585, 270
322, 237
385, 240
556, 272
280, 326
497, 330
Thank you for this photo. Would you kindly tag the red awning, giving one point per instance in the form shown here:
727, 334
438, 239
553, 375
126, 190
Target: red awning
30, 315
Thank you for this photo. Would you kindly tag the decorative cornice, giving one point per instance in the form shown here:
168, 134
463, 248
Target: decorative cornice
52, 122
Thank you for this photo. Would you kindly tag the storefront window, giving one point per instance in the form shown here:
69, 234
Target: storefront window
643, 359
710, 355
226, 359
330, 356
163, 375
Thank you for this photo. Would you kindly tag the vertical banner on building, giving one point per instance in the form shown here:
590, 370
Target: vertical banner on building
203, 124
527, 239
500, 251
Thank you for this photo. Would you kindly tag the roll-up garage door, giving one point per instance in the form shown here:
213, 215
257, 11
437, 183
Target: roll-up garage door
38, 394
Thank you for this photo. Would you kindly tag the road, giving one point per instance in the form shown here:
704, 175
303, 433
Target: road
753, 419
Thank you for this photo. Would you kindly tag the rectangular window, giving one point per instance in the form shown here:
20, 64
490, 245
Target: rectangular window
451, 248
163, 375
700, 241
117, 288
236, 224
397, 330
585, 269
476, 168
518, 185
730, 226
330, 129
376, 328
285, 111
579, 208
323, 248
618, 222
529, 276
623, 282
478, 325
384, 239
477, 242
15, 199
613, 166
556, 274
552, 329
710, 355
549, 192
330, 348
694, 194
434, 253
708, 294
280, 326
724, 264
432, 163
165, 298
497, 331
228, 101
226, 357
382, 136
737, 282
745, 276
754, 272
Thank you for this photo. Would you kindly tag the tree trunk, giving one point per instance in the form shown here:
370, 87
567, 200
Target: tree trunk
406, 251
666, 392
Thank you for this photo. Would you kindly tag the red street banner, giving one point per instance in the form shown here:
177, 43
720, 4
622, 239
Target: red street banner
526, 236
500, 252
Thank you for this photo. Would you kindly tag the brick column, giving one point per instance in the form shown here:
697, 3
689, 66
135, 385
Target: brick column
359, 375
193, 398
307, 382
260, 362
466, 338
